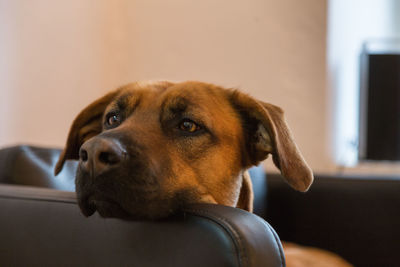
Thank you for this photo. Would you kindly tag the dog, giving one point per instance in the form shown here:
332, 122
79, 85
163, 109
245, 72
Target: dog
147, 149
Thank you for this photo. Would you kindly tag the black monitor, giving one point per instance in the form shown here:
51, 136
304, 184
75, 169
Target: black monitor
380, 104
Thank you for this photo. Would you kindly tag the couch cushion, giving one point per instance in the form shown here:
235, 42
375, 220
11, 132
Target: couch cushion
34, 166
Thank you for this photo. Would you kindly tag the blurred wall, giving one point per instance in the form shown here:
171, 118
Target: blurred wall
350, 24
58, 56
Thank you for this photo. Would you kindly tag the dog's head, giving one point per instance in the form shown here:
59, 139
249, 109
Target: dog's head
146, 149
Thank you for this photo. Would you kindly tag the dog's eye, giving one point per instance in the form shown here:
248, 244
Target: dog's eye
113, 120
189, 126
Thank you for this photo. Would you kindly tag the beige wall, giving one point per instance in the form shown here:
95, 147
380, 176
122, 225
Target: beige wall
57, 56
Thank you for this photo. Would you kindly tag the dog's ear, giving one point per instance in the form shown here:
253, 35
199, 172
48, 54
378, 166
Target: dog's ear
266, 132
87, 124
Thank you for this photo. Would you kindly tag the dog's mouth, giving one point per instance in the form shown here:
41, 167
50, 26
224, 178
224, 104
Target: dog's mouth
106, 207
140, 208
119, 197
135, 209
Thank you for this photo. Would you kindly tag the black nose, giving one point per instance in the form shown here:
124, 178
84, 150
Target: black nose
98, 155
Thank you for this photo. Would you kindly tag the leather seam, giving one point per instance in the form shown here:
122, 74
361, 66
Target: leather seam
40, 199
236, 237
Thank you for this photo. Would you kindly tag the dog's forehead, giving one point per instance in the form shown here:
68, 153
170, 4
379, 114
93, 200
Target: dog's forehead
193, 95
168, 95
130, 95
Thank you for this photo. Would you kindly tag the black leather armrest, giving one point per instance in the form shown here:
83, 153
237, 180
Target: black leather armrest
44, 227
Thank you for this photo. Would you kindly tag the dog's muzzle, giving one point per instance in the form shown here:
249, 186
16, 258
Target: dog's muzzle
99, 157
115, 179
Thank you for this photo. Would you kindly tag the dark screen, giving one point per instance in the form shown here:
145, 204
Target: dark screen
383, 107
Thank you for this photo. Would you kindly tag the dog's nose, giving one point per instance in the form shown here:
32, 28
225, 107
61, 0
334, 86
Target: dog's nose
98, 155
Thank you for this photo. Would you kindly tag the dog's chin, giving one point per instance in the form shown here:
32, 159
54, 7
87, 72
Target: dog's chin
108, 208
105, 207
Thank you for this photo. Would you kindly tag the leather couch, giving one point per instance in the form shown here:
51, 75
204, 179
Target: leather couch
357, 217
41, 225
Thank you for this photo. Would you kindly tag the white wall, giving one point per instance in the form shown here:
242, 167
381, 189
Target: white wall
350, 24
57, 56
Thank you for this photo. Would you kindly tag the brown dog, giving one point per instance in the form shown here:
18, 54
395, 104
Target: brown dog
155, 147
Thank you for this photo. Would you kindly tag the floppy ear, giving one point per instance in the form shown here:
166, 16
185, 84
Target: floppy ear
266, 132
87, 124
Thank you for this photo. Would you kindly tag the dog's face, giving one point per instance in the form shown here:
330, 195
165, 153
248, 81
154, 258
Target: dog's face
147, 149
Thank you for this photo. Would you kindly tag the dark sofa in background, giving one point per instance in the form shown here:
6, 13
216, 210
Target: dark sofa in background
356, 217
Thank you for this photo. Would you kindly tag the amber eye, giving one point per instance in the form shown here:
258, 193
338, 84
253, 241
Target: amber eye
113, 120
189, 126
